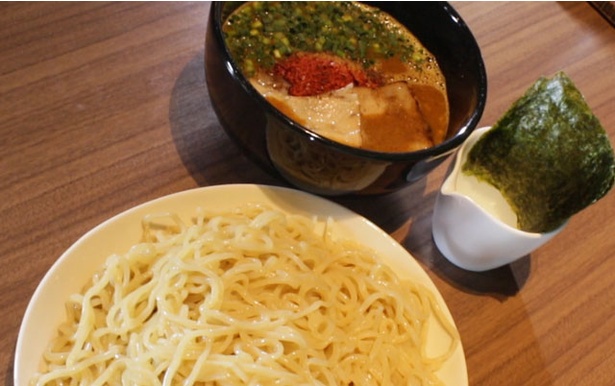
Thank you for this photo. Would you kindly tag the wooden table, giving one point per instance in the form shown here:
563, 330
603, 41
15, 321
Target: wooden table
104, 106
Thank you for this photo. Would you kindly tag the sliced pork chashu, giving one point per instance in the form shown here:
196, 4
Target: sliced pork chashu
397, 117
391, 119
334, 115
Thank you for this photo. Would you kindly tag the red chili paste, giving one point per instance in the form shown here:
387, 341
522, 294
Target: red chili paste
317, 73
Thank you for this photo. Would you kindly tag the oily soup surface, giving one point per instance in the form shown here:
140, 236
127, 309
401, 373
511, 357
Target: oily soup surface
352, 74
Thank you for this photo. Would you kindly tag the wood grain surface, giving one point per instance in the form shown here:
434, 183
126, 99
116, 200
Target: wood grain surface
104, 106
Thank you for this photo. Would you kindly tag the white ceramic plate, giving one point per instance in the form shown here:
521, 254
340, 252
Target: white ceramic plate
71, 271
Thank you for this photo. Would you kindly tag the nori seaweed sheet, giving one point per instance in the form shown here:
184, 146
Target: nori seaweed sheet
548, 155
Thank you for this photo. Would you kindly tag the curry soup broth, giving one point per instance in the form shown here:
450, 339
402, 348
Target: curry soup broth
344, 70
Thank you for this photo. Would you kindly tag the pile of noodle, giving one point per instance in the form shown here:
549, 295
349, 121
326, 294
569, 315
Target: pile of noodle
250, 296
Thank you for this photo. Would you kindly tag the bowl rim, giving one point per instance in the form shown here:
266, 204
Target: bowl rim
444, 148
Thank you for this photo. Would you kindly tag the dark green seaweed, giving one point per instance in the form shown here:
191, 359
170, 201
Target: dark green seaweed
548, 155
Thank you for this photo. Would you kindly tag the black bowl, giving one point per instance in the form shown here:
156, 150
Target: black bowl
322, 166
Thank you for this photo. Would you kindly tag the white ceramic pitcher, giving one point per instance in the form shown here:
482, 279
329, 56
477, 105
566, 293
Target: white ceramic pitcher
473, 225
